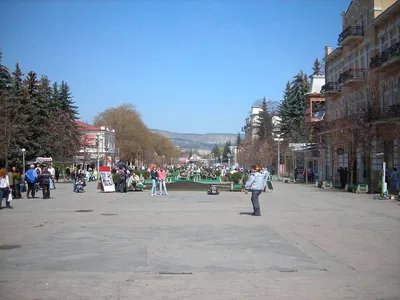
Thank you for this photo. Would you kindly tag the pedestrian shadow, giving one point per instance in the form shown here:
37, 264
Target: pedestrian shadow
245, 213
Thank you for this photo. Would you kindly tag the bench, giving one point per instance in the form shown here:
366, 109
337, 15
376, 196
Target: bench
236, 187
356, 188
324, 184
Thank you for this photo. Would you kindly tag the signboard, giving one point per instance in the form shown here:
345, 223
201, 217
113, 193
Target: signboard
106, 180
44, 159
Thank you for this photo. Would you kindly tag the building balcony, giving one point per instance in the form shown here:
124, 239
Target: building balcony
388, 59
352, 76
330, 89
351, 35
390, 112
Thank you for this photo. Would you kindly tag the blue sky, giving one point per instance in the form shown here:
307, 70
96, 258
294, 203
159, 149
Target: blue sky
188, 66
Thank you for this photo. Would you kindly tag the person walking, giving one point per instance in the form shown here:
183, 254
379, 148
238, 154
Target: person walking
53, 175
45, 178
5, 187
255, 184
154, 178
74, 177
394, 182
162, 175
31, 179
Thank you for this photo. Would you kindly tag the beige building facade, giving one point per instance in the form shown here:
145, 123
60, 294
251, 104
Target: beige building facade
363, 75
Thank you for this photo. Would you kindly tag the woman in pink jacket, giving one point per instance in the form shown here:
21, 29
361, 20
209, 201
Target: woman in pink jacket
162, 175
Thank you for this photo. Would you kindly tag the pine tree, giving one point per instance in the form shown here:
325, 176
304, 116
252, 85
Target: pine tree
215, 152
238, 140
317, 67
264, 126
6, 116
65, 131
292, 109
226, 151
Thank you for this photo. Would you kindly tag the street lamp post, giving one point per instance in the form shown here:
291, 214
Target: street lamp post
229, 160
155, 157
279, 140
106, 156
163, 157
98, 149
220, 159
137, 156
23, 160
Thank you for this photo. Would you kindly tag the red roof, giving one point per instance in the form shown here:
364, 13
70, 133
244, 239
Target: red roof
87, 127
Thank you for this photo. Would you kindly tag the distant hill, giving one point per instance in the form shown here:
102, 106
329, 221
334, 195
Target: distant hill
197, 141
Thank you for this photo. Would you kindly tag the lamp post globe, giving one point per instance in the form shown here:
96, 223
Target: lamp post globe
23, 150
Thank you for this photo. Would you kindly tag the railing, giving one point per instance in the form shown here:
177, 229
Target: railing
352, 74
351, 31
330, 87
384, 56
391, 112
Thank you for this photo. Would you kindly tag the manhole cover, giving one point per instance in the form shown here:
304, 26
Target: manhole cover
9, 247
108, 214
175, 273
84, 210
288, 270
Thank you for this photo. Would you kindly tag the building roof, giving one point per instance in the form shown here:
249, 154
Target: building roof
317, 81
82, 126
86, 127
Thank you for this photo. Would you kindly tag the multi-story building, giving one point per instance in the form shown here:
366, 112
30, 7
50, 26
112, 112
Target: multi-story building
250, 129
315, 103
97, 143
363, 85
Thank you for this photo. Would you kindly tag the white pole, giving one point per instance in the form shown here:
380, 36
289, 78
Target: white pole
384, 185
98, 158
279, 160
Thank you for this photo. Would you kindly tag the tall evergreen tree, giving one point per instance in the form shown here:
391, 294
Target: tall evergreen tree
292, 109
226, 151
20, 120
238, 140
215, 152
264, 126
65, 131
6, 116
317, 67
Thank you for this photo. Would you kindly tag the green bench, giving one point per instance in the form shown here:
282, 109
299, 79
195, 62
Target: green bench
324, 184
356, 188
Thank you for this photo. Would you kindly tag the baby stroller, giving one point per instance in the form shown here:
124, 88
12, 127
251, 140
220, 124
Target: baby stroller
38, 186
212, 190
80, 186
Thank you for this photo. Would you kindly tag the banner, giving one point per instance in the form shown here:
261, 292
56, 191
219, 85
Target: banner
107, 182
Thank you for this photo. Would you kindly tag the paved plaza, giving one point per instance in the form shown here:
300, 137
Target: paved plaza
308, 244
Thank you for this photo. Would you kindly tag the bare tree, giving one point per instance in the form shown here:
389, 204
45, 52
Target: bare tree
132, 134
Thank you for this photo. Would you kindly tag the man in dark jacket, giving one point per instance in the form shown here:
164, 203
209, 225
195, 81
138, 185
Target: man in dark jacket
45, 178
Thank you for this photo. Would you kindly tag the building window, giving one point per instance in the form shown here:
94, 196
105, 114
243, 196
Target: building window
398, 34
392, 37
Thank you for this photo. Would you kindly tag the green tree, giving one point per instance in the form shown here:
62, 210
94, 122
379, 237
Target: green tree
215, 152
238, 140
6, 113
226, 151
264, 126
292, 109
65, 133
317, 67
